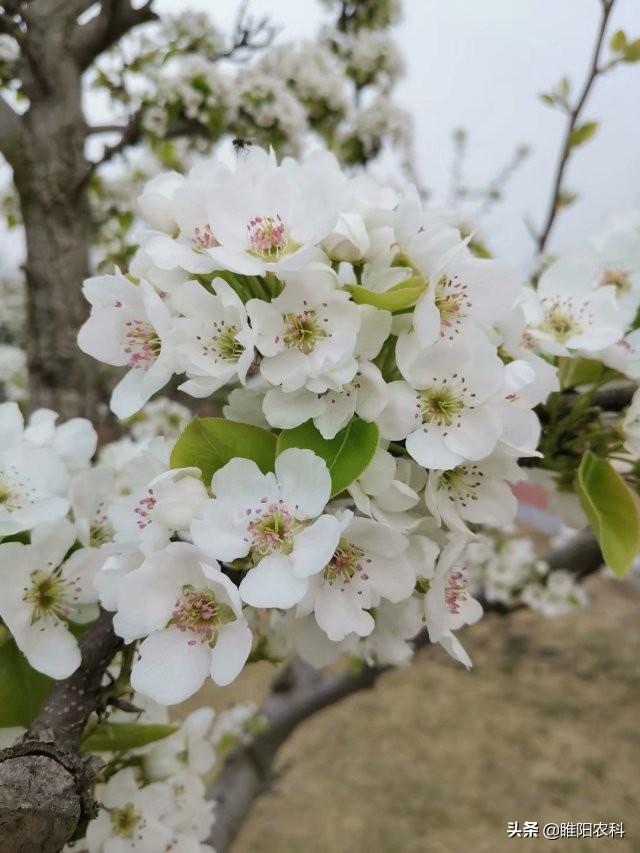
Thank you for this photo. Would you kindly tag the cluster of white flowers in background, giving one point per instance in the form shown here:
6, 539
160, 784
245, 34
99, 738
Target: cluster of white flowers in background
154, 797
507, 570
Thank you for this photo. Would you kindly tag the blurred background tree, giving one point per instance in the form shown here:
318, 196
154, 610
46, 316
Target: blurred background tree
173, 89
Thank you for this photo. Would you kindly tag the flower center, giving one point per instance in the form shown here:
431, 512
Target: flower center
563, 319
272, 528
462, 483
141, 344
346, 563
199, 613
203, 238
455, 592
227, 344
15, 490
302, 331
440, 406
5, 492
100, 534
617, 277
125, 820
451, 299
100, 530
48, 594
268, 236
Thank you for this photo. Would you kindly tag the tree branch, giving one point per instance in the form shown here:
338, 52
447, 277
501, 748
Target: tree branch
574, 114
45, 782
615, 398
115, 19
248, 34
299, 692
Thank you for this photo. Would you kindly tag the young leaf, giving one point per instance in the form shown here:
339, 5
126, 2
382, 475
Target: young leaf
618, 41
613, 511
402, 296
346, 455
583, 133
209, 443
632, 51
120, 737
22, 689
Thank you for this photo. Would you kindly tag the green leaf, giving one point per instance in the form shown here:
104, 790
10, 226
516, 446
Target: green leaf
632, 52
583, 133
613, 510
346, 455
386, 360
248, 287
548, 99
566, 198
402, 296
618, 41
120, 737
209, 443
22, 689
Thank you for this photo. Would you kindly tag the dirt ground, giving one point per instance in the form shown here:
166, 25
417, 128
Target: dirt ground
546, 727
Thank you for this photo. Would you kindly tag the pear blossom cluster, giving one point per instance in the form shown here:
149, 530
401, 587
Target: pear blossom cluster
290, 91
508, 571
302, 297
154, 797
305, 306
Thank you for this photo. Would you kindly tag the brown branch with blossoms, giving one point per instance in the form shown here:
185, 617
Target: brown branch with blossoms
299, 692
45, 782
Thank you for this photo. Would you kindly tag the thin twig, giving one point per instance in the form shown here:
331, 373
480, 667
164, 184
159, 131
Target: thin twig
574, 114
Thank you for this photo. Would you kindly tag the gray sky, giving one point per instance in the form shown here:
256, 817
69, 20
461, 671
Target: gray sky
481, 64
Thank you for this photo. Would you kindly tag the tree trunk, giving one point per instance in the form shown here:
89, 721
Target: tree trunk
49, 172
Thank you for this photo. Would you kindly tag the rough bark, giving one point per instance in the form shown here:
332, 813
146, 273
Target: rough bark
45, 783
48, 167
39, 805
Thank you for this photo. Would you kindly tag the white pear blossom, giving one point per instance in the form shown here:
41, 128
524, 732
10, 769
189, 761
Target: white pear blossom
212, 337
160, 417
245, 404
148, 517
33, 480
474, 492
365, 395
191, 620
623, 355
270, 217
138, 818
448, 603
558, 594
565, 313
444, 407
41, 591
307, 336
388, 489
128, 326
74, 441
189, 750
369, 563
274, 520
